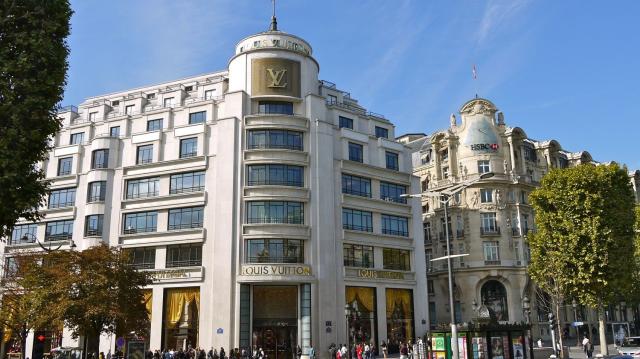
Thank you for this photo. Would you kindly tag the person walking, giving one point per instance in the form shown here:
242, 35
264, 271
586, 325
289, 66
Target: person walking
588, 349
404, 351
312, 352
384, 349
298, 352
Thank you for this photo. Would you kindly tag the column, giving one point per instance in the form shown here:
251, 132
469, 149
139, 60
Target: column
155, 334
512, 155
305, 318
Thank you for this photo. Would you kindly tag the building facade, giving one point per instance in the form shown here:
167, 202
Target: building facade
490, 219
263, 200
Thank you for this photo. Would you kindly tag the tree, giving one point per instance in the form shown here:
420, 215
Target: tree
585, 217
33, 67
29, 300
105, 294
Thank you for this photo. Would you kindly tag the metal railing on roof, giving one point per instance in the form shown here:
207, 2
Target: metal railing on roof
68, 108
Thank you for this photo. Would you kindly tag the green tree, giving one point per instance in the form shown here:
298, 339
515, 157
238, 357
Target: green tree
585, 217
33, 67
29, 300
105, 294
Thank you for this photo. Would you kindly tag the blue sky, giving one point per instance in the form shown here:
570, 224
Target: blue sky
565, 70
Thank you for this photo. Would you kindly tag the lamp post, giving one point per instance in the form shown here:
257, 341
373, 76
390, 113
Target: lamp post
574, 304
526, 308
445, 196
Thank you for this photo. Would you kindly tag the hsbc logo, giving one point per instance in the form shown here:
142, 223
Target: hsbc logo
485, 147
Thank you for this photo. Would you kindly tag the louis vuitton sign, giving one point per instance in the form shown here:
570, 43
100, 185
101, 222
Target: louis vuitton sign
283, 270
270, 76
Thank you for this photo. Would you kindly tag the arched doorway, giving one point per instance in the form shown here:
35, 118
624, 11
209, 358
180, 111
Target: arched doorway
494, 297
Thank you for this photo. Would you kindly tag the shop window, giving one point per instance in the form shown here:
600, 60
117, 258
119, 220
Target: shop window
494, 297
400, 322
362, 318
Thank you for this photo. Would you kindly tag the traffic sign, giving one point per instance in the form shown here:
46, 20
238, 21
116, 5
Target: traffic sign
577, 324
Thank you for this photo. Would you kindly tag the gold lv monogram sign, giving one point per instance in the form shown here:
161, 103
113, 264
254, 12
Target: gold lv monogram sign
277, 78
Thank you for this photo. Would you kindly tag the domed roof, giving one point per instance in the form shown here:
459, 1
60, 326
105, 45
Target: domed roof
478, 105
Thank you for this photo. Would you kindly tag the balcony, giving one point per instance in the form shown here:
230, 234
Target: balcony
490, 231
185, 263
393, 232
57, 237
176, 226
275, 259
188, 154
459, 233
515, 232
185, 190
492, 263
139, 230
141, 194
441, 236
356, 227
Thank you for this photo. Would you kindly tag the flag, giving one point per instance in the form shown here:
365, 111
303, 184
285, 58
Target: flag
474, 72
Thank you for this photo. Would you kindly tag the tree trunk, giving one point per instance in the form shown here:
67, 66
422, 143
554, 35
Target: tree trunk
604, 349
559, 329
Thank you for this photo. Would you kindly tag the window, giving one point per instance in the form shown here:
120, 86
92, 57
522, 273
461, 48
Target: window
93, 225
186, 182
115, 103
10, 266
461, 251
486, 195
357, 220
283, 108
93, 116
64, 166
144, 187
391, 160
395, 226
516, 251
459, 226
355, 152
275, 175
59, 230
151, 96
186, 255
62, 198
189, 147
197, 117
145, 154
355, 185
382, 132
523, 197
129, 109
169, 102
563, 162
430, 289
445, 172
142, 258
428, 255
484, 167
433, 320
140, 222
76, 138
97, 191
530, 153
209, 94
114, 131
345, 122
185, 218
188, 88
24, 233
275, 212
100, 159
494, 295
154, 125
426, 227
491, 251
356, 255
278, 139
488, 223
332, 100
525, 223
392, 192
274, 250
396, 259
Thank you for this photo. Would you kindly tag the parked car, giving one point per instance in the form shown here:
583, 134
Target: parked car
630, 347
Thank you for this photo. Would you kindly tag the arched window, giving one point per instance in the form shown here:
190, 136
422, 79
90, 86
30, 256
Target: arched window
494, 297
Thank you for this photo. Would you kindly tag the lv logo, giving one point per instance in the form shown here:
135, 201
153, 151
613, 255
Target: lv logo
277, 78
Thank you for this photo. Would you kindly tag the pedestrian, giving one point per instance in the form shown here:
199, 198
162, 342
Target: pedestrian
215, 354
344, 352
222, 353
312, 352
210, 353
384, 349
584, 342
404, 351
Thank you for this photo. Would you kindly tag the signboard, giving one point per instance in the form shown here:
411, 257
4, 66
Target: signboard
274, 76
219, 331
175, 275
379, 274
281, 270
577, 324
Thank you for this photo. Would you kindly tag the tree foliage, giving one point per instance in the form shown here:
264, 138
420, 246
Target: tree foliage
33, 66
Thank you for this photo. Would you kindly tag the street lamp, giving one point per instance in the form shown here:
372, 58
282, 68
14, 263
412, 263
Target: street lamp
445, 196
526, 308
574, 304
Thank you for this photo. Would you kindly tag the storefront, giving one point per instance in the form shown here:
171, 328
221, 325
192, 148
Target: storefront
181, 313
275, 320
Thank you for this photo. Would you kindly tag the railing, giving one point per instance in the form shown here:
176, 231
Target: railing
144, 160
358, 264
142, 194
68, 108
150, 265
396, 266
355, 227
188, 154
64, 173
96, 198
100, 165
275, 259
186, 189
441, 236
80, 120
186, 263
357, 193
60, 205
57, 237
267, 220
459, 233
274, 146
515, 232
93, 232
492, 263
139, 230
394, 232
23, 240
394, 199
275, 183
185, 225
490, 231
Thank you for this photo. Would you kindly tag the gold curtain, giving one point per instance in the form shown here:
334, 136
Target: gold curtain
148, 300
8, 332
363, 295
404, 298
176, 300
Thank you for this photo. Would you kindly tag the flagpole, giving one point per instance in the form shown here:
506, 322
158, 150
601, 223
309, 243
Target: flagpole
474, 72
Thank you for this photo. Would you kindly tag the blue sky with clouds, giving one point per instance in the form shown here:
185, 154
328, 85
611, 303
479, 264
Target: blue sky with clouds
565, 70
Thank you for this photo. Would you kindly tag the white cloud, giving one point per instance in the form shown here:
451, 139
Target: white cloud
497, 15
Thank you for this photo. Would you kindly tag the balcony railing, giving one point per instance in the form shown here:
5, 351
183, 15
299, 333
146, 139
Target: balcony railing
188, 154
393, 199
185, 263
142, 194
355, 192
23, 240
262, 182
60, 204
275, 259
263, 146
175, 226
492, 263
269, 220
355, 227
515, 232
490, 231
57, 237
394, 232
144, 160
396, 266
139, 230
150, 265
459, 233
441, 236
186, 189
93, 232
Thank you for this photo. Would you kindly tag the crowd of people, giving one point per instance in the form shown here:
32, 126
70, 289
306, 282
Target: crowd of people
370, 351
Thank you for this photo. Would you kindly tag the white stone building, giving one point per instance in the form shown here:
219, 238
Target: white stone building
262, 199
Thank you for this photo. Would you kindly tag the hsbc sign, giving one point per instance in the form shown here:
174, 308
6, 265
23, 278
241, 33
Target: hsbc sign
493, 147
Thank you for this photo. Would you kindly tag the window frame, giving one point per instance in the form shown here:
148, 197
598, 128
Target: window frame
28, 230
274, 212
180, 178
155, 125
396, 259
381, 132
394, 225
186, 144
148, 182
484, 166
285, 257
486, 195
352, 184
389, 188
358, 255
117, 130
364, 218
59, 192
100, 158
356, 152
275, 139
197, 117
150, 222
194, 255
392, 160
99, 221
275, 108
141, 152
91, 197
176, 218
345, 122
62, 166
273, 174
66, 227
76, 138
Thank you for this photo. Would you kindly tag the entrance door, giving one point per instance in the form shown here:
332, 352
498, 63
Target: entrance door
277, 342
275, 320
